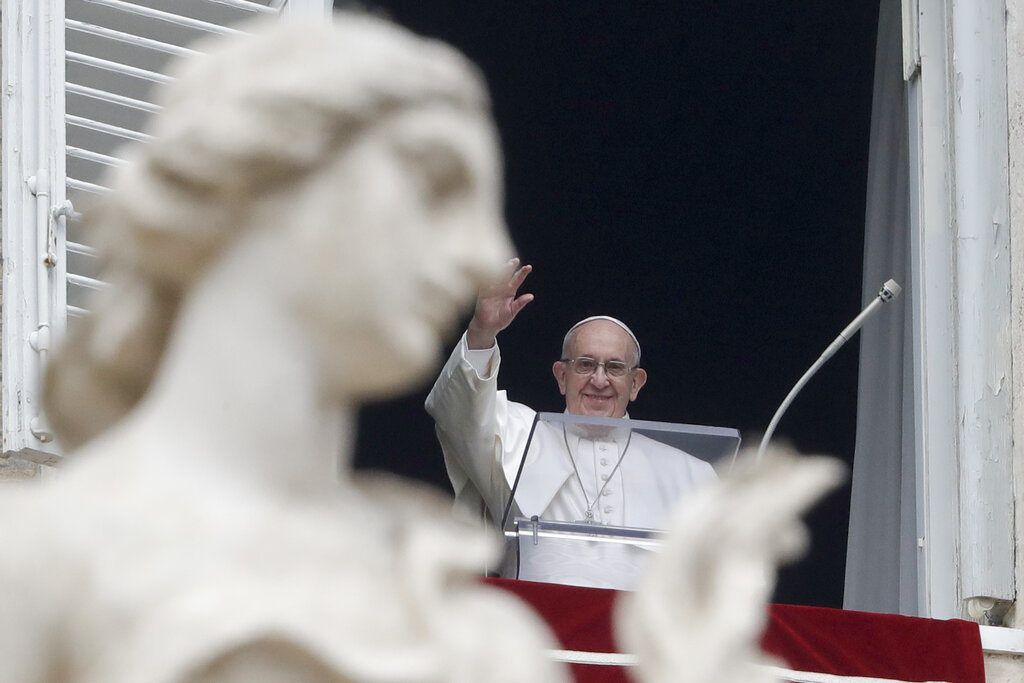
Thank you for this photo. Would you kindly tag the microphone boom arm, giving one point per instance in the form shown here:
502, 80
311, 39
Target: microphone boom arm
890, 290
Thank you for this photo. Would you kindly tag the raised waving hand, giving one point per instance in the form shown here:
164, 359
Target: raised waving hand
497, 305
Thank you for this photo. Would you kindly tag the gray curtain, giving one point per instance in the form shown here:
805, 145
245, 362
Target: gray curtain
881, 560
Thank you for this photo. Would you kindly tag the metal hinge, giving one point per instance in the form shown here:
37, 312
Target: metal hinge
65, 210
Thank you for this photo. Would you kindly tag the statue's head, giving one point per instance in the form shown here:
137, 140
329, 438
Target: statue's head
369, 149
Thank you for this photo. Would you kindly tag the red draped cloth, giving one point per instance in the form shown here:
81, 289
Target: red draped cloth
816, 639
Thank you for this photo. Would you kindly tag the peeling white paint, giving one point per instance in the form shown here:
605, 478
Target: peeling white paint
982, 266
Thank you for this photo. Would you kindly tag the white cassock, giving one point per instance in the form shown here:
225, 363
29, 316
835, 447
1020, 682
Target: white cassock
623, 479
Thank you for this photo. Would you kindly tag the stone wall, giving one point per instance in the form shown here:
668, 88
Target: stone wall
1001, 668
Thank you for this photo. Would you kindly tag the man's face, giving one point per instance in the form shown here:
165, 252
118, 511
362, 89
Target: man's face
599, 394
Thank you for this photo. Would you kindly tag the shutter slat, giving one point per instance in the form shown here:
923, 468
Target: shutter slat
248, 6
91, 188
107, 128
127, 38
83, 249
85, 154
116, 67
113, 98
165, 16
87, 282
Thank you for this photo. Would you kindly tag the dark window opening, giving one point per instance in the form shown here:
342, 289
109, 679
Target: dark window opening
697, 169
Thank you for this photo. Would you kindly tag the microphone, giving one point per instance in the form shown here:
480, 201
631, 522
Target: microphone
890, 290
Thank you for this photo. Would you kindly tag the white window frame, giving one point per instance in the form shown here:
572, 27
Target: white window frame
955, 65
33, 202
34, 306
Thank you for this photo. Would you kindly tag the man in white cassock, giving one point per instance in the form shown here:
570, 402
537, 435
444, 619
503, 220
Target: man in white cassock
573, 473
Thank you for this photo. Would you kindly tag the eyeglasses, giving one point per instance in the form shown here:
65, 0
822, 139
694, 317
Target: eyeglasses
588, 366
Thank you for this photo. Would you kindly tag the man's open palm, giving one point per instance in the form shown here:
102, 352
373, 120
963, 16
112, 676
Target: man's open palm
497, 305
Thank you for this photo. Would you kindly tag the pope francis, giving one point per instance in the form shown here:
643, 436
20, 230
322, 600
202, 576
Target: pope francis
614, 476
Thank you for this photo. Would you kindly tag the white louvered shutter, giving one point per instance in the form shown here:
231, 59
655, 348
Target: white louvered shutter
79, 78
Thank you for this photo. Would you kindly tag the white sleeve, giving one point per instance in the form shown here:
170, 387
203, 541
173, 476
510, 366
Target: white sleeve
480, 359
464, 405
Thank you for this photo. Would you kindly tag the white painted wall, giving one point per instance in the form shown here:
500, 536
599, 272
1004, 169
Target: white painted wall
1015, 117
1007, 667
981, 248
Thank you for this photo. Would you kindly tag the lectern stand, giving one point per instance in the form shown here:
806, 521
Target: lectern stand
572, 553
576, 540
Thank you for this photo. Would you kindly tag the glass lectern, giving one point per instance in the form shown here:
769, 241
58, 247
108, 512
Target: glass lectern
592, 495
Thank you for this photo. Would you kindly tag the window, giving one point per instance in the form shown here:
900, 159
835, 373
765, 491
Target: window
75, 93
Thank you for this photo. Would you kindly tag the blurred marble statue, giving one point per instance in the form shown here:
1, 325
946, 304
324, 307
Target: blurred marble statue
319, 204
701, 609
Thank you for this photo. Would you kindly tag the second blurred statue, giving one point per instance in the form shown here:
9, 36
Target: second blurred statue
319, 204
